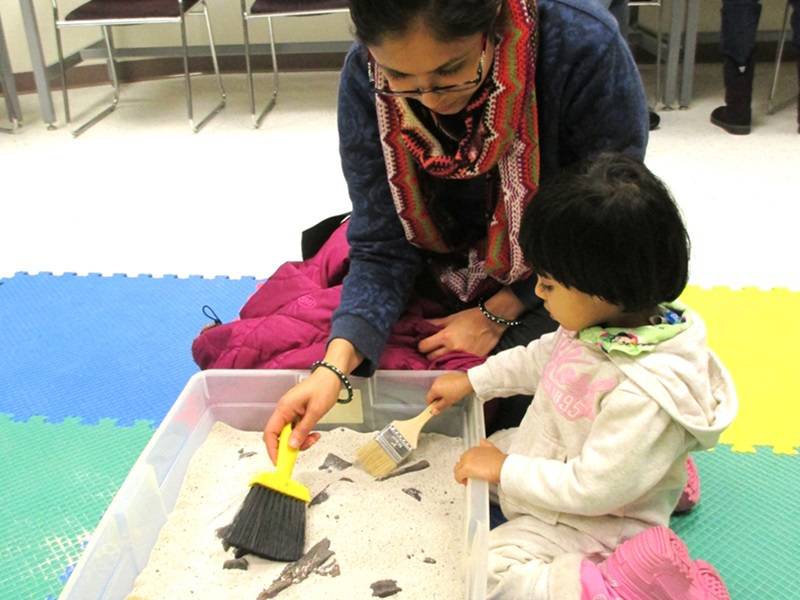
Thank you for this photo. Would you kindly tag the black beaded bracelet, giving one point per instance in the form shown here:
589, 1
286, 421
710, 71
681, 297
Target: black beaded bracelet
494, 318
342, 377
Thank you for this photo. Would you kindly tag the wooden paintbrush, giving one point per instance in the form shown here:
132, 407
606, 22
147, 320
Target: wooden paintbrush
392, 445
271, 522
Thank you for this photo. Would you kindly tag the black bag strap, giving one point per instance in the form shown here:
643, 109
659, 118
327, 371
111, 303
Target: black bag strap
314, 237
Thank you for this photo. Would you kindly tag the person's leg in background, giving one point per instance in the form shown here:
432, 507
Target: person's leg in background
738, 31
622, 13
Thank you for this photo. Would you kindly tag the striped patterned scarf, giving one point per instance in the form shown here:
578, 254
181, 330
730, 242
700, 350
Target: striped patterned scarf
501, 130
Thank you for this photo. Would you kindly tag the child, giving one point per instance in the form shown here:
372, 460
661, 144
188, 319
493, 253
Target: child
624, 390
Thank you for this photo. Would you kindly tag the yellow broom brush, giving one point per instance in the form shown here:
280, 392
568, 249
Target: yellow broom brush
271, 522
392, 445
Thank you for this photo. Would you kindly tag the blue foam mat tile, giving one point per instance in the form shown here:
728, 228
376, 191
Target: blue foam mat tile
94, 347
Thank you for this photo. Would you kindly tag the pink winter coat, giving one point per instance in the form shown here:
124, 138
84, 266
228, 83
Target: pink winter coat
285, 324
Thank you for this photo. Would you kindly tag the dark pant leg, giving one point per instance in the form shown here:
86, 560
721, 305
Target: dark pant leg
795, 23
738, 29
503, 413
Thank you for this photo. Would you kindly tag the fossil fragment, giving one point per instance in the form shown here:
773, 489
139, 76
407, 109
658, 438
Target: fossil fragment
414, 493
385, 588
417, 466
334, 463
236, 563
320, 559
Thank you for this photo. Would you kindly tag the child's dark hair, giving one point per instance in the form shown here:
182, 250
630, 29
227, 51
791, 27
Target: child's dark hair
447, 19
609, 228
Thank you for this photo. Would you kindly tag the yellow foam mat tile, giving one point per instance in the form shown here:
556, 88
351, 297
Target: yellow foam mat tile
756, 333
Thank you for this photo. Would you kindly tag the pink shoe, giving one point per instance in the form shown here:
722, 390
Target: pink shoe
691, 493
655, 565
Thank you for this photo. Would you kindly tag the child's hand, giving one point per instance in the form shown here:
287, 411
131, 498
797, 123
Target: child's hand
481, 462
446, 390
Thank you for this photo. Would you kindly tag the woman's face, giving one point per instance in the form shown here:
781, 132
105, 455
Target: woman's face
417, 60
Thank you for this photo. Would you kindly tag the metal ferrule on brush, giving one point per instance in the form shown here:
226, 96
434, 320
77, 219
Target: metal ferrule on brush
394, 443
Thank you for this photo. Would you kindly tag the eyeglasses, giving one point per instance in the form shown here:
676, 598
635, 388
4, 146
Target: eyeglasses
439, 89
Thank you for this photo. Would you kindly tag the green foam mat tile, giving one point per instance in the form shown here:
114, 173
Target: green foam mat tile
57, 479
748, 521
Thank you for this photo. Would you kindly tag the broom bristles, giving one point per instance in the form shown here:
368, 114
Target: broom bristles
375, 460
270, 525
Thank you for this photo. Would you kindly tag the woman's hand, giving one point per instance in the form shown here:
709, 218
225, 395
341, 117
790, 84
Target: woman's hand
470, 331
307, 402
446, 390
465, 331
481, 462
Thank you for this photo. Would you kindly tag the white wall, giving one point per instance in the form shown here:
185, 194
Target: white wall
227, 27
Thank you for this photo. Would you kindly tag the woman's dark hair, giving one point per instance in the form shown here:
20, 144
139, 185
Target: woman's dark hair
447, 19
609, 228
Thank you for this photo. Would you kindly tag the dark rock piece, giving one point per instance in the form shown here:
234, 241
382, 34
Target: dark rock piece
323, 495
418, 466
243, 454
429, 560
414, 493
334, 463
385, 588
222, 533
319, 498
236, 563
315, 560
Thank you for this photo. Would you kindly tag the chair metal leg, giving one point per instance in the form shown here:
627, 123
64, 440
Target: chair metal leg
8, 87
274, 97
659, 34
112, 70
689, 52
771, 107
188, 78
214, 60
248, 66
62, 69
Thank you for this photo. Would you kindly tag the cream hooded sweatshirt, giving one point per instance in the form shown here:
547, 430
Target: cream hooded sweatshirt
602, 446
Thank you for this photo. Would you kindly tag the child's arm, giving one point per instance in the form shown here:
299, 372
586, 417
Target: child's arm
632, 445
513, 371
446, 390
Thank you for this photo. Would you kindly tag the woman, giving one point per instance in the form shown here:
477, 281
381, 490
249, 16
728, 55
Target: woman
450, 114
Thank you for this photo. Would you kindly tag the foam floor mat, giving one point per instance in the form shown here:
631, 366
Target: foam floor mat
91, 365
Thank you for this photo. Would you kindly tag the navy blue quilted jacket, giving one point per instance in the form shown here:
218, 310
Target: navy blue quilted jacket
590, 99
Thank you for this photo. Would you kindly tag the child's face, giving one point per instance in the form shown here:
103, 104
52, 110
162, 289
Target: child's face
573, 309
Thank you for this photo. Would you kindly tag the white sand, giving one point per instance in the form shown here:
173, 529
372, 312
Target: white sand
376, 530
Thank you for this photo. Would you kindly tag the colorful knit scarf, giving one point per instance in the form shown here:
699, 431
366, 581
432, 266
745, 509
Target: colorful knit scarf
501, 130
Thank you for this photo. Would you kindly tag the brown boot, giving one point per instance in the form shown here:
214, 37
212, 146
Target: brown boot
735, 116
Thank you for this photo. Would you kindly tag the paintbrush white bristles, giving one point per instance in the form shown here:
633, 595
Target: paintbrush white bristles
375, 460
392, 445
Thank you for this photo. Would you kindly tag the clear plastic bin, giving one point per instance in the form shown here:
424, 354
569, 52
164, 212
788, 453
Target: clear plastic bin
121, 543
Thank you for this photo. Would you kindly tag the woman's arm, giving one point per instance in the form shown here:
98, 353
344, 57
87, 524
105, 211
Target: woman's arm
383, 264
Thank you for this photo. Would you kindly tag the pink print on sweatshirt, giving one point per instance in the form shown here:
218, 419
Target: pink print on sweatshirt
567, 379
